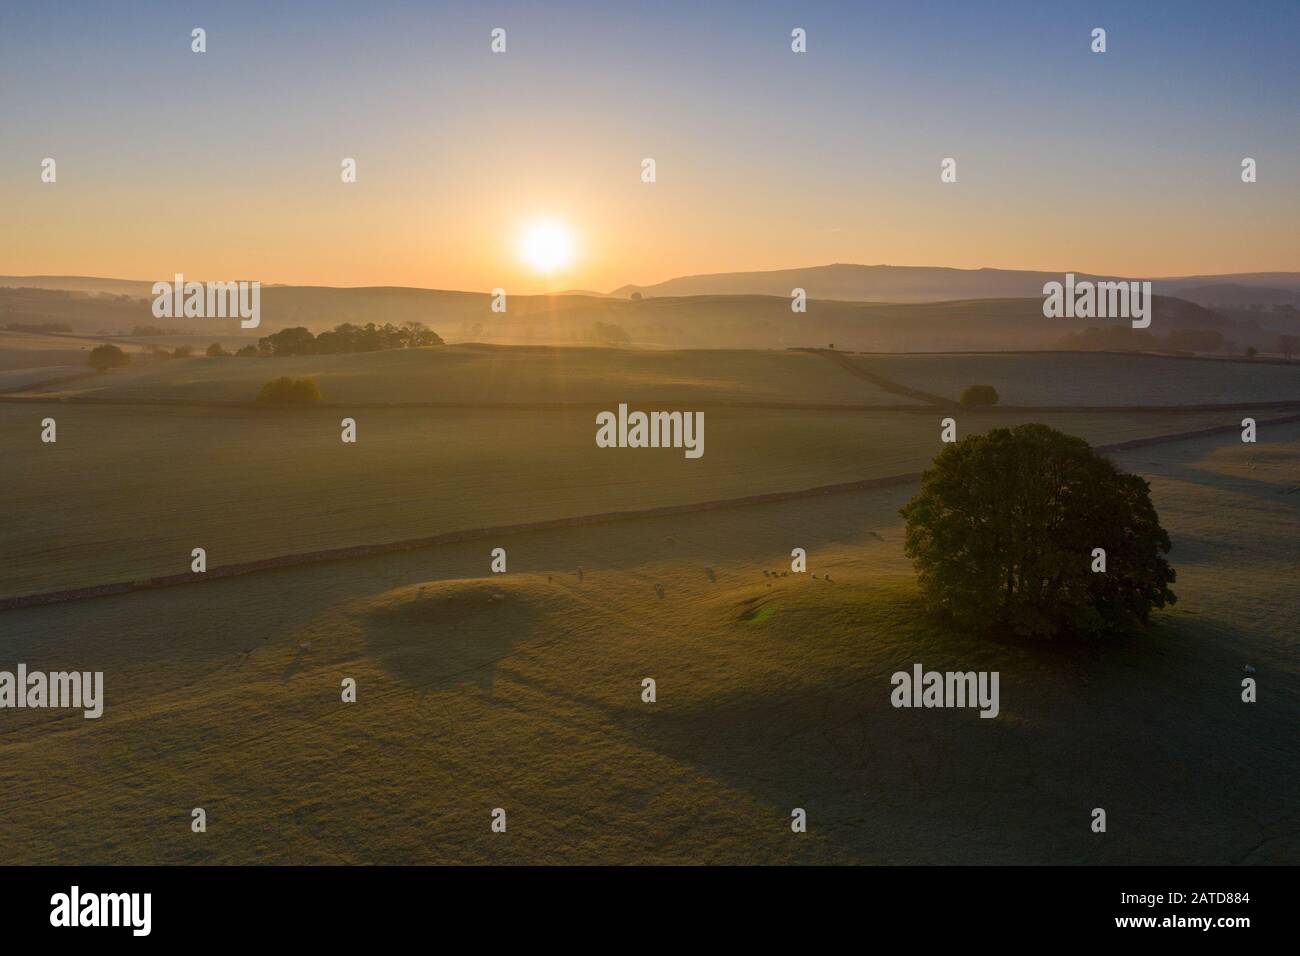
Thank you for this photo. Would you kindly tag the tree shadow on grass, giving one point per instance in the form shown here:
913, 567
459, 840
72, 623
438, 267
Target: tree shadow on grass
1149, 728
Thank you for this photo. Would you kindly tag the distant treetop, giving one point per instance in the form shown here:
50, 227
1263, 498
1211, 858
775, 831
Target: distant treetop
348, 338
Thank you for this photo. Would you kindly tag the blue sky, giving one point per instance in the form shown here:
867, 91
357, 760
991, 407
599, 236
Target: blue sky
1122, 162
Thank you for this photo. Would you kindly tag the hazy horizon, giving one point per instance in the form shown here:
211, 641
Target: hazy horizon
270, 282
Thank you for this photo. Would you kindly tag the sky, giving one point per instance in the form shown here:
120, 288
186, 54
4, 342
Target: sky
226, 164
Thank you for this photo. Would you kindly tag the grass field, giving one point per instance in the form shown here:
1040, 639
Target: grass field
1092, 378
484, 375
32, 350
21, 379
127, 492
522, 690
487, 375
772, 694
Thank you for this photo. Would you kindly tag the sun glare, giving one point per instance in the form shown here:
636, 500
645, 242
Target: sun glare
546, 246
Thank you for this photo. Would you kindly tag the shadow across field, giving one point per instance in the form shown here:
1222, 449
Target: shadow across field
438, 636
773, 693
1149, 728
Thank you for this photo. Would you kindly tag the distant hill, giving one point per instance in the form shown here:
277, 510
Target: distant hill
986, 322
841, 281
92, 285
733, 321
1276, 280
883, 283
1239, 295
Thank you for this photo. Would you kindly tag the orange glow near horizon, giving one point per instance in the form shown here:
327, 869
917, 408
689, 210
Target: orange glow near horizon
765, 159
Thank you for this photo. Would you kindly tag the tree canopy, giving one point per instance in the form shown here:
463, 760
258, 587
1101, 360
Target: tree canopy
979, 395
104, 357
348, 338
1003, 532
289, 391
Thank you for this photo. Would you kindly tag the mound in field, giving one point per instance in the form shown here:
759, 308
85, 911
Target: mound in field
442, 634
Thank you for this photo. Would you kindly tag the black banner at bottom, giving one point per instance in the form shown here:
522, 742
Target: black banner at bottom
337, 905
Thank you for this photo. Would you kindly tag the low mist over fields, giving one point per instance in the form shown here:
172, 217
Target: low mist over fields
912, 310
373, 562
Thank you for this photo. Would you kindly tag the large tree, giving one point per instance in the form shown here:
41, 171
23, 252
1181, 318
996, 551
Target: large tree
1003, 532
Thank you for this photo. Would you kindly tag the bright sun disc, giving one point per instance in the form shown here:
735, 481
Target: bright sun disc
546, 246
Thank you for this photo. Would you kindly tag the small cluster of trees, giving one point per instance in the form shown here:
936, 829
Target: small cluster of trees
289, 391
345, 338
104, 357
607, 333
975, 395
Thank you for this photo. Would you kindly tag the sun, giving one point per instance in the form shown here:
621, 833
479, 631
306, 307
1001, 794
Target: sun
546, 245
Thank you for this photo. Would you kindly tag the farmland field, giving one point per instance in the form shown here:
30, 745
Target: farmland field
128, 491
19, 379
522, 691
1092, 378
489, 375
30, 350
